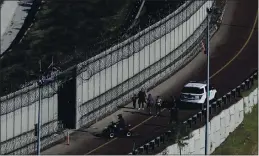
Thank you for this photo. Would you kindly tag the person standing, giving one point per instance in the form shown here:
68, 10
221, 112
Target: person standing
141, 98
158, 105
150, 102
176, 113
134, 100
173, 101
173, 110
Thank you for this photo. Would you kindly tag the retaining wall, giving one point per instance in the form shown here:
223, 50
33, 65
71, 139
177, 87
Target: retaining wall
141, 61
219, 127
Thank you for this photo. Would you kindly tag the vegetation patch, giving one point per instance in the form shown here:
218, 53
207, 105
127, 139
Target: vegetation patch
244, 140
73, 31
246, 93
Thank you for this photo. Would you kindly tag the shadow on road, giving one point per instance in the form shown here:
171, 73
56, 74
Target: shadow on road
141, 113
157, 125
125, 107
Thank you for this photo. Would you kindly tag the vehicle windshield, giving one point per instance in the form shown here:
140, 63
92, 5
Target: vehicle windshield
192, 90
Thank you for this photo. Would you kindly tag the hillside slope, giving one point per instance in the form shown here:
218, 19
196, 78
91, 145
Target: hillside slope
72, 31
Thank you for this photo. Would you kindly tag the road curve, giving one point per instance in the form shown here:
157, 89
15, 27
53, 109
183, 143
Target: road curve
234, 57
236, 70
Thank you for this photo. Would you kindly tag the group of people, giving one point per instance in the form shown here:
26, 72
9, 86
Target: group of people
142, 98
150, 102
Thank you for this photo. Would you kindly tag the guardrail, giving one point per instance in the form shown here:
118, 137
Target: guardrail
214, 107
156, 76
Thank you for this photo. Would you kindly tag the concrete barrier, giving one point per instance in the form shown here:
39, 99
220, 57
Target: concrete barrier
149, 59
220, 126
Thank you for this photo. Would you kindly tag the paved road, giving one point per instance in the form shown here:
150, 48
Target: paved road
12, 19
225, 46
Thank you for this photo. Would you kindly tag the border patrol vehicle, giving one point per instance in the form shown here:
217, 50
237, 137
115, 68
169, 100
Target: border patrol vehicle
194, 94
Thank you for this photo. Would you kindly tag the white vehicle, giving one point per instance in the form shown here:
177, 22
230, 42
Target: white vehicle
196, 93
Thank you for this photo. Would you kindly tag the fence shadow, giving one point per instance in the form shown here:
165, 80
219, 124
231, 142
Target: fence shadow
135, 112
145, 113
125, 107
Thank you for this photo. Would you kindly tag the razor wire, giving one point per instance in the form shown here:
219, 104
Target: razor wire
101, 64
118, 95
27, 98
96, 64
25, 143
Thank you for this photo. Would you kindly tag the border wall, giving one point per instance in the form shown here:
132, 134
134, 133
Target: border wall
107, 80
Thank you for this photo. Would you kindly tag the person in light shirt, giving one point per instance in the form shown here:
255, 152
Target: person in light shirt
158, 105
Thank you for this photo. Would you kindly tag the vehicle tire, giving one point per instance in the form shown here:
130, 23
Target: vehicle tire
111, 135
128, 134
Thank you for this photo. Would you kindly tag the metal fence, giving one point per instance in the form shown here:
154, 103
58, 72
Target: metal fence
145, 79
24, 143
140, 40
107, 102
19, 114
134, 48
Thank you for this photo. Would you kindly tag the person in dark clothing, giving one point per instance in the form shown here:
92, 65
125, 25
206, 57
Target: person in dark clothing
172, 115
158, 105
134, 100
173, 102
141, 98
176, 110
173, 110
150, 102
121, 123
